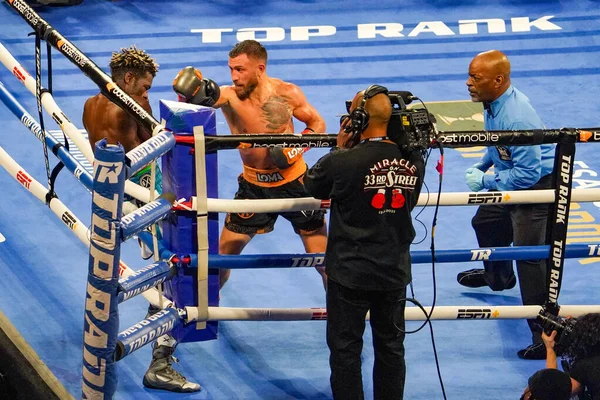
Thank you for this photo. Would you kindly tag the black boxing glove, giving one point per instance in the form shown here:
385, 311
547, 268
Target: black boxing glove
192, 88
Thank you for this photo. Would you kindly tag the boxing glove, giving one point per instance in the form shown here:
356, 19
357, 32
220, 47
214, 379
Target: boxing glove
192, 88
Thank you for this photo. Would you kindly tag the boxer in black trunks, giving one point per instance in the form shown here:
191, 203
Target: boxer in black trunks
257, 103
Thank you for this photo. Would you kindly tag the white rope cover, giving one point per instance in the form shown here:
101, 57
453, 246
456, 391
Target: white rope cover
411, 314
446, 199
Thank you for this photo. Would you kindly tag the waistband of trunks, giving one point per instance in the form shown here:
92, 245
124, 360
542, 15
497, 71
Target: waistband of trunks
274, 177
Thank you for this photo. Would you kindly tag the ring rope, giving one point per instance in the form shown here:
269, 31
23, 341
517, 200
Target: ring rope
70, 130
301, 260
61, 152
446, 199
411, 313
63, 213
449, 139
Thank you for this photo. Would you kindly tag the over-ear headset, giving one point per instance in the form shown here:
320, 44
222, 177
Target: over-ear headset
360, 116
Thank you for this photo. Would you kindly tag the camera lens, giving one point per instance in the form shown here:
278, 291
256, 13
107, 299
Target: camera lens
550, 322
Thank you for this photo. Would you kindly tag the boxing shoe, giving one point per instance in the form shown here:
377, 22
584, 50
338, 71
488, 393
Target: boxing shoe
536, 351
474, 278
145, 251
161, 375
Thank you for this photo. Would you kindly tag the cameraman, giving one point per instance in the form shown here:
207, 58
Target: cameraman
373, 187
580, 350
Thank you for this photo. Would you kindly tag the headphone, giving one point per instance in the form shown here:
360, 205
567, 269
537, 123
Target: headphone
360, 116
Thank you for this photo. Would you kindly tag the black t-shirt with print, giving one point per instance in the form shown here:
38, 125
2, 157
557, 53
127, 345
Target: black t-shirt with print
587, 373
373, 188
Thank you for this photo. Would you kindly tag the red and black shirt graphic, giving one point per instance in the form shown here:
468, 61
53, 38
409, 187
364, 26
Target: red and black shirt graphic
373, 188
387, 179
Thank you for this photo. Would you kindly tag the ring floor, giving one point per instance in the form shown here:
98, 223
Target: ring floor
44, 267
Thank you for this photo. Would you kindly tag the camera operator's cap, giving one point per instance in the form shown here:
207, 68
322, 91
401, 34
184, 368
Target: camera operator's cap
550, 384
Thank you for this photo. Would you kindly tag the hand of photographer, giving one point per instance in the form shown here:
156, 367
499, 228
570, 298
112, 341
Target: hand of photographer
344, 136
550, 342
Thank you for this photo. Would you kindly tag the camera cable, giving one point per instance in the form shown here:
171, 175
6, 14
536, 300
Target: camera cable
427, 321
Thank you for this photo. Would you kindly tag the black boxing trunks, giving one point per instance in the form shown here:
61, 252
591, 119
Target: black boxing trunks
254, 184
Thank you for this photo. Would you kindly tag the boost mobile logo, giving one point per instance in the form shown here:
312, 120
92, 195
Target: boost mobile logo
474, 313
479, 137
24, 9
71, 52
129, 102
318, 143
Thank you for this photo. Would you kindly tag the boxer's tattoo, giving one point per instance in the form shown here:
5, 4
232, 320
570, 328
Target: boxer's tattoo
277, 113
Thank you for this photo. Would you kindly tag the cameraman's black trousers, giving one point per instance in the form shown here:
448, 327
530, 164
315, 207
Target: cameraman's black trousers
346, 312
521, 225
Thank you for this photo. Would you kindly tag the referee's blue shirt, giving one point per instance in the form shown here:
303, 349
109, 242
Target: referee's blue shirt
515, 167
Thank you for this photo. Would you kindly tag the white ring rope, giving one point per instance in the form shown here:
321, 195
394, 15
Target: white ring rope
63, 213
411, 313
446, 199
70, 130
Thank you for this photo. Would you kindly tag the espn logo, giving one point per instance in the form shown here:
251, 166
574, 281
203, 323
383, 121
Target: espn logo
474, 313
122, 268
69, 220
19, 74
485, 198
24, 179
319, 314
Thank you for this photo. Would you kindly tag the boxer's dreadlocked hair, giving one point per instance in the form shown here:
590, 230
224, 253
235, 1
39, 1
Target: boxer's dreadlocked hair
132, 59
251, 48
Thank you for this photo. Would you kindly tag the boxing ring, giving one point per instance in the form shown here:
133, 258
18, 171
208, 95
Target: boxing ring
104, 344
